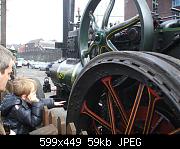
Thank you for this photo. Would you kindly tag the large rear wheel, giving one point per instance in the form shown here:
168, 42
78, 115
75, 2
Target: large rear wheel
126, 93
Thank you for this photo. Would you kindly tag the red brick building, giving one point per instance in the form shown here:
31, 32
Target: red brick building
161, 7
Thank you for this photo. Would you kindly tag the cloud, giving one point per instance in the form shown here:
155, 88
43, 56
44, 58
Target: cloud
33, 19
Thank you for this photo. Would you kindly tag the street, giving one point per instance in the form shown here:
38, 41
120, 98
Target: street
34, 73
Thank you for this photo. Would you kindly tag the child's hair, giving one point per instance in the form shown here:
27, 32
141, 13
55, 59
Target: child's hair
23, 86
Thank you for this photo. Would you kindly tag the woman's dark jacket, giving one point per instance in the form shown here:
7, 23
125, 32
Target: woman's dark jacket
27, 117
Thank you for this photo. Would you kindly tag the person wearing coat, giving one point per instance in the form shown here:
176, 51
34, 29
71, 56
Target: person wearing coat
21, 110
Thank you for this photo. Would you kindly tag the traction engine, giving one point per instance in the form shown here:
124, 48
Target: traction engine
122, 79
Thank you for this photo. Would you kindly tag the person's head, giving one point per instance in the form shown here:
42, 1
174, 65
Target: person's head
25, 88
6, 63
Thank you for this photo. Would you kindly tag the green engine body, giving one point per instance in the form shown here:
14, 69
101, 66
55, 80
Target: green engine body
68, 71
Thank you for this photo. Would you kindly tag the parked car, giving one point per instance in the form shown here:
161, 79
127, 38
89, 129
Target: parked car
32, 64
37, 65
25, 62
46, 66
19, 62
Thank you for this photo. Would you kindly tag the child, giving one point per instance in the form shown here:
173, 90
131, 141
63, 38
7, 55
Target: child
22, 110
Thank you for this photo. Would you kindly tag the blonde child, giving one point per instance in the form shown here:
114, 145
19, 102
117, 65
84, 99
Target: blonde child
22, 110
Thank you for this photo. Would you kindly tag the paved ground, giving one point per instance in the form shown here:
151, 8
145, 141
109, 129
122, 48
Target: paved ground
33, 73
40, 75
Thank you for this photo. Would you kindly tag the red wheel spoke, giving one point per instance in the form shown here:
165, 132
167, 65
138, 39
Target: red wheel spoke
134, 109
107, 82
96, 129
157, 124
111, 115
150, 112
87, 111
177, 131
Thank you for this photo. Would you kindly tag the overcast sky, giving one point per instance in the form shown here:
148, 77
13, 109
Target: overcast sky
32, 19
117, 14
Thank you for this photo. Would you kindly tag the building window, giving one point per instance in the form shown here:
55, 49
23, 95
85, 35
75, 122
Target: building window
176, 14
175, 3
176, 9
155, 6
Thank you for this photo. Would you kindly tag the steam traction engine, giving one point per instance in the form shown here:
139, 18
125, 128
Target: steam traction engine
126, 79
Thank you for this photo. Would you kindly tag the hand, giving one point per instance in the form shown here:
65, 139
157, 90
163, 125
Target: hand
34, 100
60, 103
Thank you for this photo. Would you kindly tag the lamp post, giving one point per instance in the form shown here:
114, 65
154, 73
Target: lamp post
3, 22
